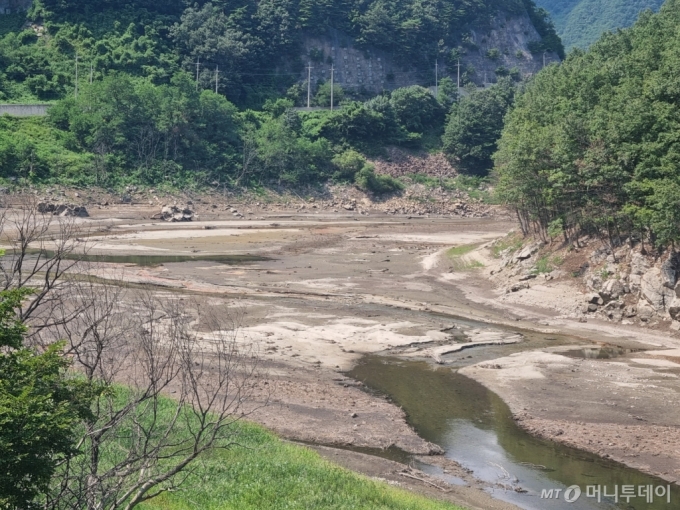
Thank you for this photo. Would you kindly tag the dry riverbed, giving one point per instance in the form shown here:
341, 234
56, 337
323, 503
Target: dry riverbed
333, 287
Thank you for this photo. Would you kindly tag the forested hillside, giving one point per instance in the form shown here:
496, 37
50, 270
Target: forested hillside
593, 144
581, 22
195, 94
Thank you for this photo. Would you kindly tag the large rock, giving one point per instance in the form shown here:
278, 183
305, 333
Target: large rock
611, 290
645, 312
674, 309
668, 273
527, 252
173, 213
653, 290
594, 299
638, 264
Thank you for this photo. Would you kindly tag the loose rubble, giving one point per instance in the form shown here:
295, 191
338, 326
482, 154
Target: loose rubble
63, 210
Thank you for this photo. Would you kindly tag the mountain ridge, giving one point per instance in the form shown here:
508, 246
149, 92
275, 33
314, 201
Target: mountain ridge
581, 22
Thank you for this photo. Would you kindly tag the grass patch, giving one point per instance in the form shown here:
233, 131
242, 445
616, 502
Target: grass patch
547, 264
512, 241
266, 472
459, 251
458, 259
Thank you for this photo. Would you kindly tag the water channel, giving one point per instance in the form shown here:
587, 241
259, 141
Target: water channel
476, 429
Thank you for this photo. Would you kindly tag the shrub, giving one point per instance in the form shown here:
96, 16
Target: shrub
348, 164
367, 180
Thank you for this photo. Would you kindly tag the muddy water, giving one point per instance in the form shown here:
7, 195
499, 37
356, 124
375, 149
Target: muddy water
476, 429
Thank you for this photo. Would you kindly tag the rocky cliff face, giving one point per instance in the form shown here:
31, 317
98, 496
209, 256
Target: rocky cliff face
622, 284
487, 52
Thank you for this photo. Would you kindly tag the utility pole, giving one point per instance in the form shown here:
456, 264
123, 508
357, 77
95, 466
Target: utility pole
198, 66
544, 59
91, 72
309, 86
217, 80
436, 79
332, 84
76, 75
458, 91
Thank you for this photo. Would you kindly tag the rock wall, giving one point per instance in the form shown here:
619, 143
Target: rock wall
506, 39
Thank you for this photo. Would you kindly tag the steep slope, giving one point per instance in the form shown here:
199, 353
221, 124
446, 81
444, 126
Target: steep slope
580, 22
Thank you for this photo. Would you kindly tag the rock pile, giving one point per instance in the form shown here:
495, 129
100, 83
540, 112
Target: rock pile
63, 210
173, 213
400, 164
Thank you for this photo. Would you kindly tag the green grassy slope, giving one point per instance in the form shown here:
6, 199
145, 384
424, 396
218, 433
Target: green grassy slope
267, 473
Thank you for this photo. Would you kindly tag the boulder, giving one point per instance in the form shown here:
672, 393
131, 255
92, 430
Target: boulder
594, 298
653, 290
630, 311
611, 290
674, 309
174, 214
638, 264
668, 273
592, 307
527, 252
594, 282
635, 280
645, 312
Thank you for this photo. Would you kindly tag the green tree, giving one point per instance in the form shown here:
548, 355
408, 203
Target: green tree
416, 109
40, 406
323, 95
475, 125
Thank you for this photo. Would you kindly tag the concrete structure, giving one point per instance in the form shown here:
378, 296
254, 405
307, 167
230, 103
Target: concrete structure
24, 110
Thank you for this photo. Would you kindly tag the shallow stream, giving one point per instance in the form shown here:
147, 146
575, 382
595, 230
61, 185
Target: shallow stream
476, 429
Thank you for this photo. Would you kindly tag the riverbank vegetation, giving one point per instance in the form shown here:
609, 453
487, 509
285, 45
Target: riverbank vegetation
591, 144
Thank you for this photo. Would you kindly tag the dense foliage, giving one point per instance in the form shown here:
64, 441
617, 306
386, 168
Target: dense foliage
187, 94
475, 125
581, 22
593, 144
40, 407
